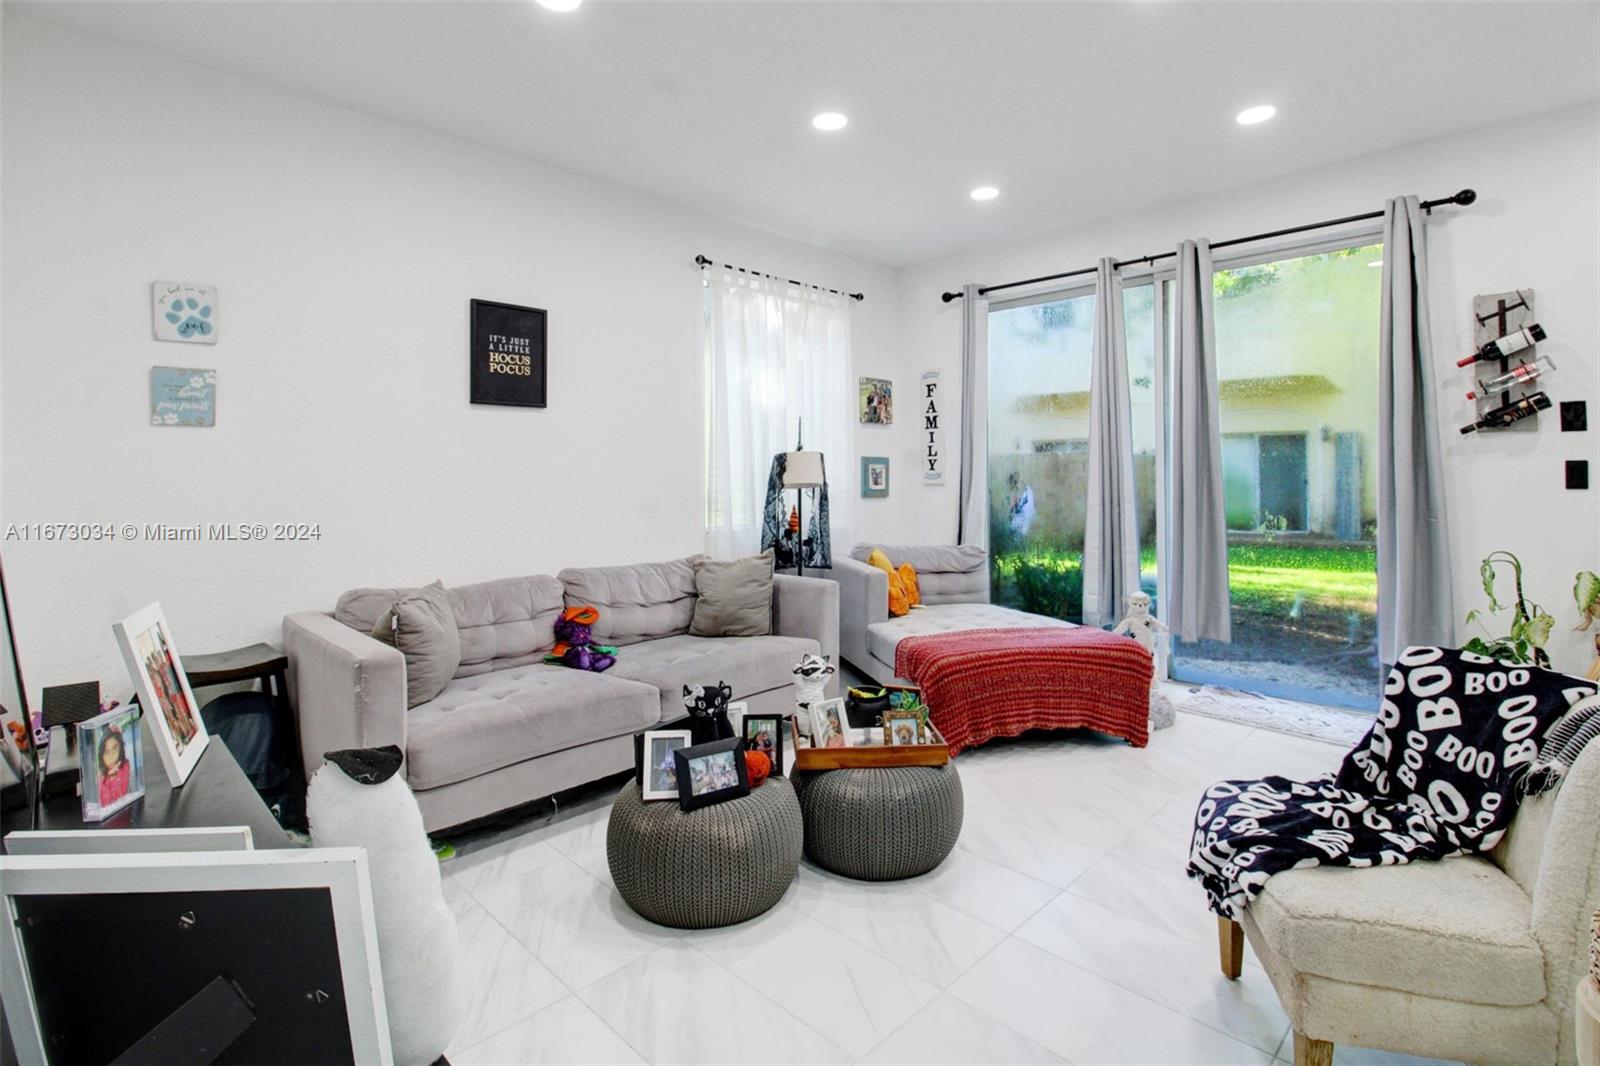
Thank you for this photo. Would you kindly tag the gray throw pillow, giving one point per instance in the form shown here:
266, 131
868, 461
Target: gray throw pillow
423, 627
734, 597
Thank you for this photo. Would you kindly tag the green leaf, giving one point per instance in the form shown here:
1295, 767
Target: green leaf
1586, 591
1486, 572
1538, 628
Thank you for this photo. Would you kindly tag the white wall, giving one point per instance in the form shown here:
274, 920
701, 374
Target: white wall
1534, 226
345, 248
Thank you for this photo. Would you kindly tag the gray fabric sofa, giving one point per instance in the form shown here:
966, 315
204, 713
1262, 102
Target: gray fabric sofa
509, 728
954, 582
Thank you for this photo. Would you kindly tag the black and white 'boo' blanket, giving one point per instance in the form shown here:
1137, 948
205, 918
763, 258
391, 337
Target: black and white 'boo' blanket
1454, 748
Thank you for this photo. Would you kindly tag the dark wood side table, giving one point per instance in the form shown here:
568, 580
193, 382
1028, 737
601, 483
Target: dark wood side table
256, 662
216, 794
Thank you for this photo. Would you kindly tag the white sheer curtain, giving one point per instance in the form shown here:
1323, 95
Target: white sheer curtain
776, 353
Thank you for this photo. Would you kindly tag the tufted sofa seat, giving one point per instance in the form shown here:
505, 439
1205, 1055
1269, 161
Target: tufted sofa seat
509, 728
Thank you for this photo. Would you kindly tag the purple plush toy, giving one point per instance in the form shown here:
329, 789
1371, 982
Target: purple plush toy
575, 645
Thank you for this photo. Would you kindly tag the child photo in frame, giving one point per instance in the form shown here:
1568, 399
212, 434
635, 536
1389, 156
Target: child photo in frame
659, 777
764, 733
110, 762
830, 727
163, 688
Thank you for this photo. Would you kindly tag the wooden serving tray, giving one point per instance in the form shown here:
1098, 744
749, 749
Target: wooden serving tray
867, 756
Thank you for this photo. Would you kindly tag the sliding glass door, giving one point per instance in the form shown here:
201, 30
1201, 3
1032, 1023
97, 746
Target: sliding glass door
1039, 355
1297, 371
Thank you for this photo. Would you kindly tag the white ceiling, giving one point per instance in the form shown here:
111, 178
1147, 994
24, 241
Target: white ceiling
1074, 110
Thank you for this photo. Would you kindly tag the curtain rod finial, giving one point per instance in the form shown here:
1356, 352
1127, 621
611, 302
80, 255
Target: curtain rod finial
1466, 196
947, 297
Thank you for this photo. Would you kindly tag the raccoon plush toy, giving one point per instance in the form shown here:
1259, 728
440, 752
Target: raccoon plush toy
811, 676
708, 711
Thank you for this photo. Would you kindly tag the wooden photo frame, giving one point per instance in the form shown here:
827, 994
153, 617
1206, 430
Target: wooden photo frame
894, 723
163, 690
711, 773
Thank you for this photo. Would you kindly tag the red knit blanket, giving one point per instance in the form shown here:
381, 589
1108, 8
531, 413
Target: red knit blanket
985, 683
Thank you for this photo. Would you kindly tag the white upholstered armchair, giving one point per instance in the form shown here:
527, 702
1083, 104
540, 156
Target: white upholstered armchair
1474, 959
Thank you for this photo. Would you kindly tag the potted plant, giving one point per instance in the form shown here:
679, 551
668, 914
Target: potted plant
1530, 623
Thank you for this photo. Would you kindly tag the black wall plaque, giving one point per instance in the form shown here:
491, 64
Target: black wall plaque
508, 354
1577, 473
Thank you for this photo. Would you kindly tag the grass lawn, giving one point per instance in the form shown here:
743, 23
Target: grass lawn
1265, 579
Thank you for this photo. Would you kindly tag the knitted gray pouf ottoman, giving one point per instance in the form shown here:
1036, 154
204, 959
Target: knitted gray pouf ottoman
714, 866
883, 823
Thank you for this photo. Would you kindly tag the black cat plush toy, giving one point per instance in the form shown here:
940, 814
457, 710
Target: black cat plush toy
708, 712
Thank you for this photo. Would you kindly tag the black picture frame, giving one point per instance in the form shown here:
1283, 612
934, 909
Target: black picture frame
688, 800
508, 354
776, 721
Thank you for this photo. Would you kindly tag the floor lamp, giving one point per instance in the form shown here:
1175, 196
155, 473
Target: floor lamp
801, 470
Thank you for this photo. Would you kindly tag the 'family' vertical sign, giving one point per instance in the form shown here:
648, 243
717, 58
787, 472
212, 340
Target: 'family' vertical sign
932, 433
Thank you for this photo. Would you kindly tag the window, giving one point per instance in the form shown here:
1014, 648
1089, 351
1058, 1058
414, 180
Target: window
1039, 368
1297, 377
1297, 374
776, 354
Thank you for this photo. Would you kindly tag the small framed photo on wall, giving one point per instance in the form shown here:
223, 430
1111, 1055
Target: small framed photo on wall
507, 354
877, 401
874, 477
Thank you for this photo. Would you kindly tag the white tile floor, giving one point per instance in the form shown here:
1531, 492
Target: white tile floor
1061, 929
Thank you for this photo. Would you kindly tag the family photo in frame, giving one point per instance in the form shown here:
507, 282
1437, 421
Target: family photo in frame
163, 689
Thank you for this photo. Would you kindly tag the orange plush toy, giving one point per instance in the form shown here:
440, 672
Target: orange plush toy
903, 591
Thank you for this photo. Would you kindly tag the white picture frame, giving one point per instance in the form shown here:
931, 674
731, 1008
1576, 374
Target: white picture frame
651, 785
736, 712
342, 872
829, 722
129, 841
163, 689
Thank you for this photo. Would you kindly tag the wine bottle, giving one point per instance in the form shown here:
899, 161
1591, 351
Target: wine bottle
1504, 415
1521, 375
1510, 344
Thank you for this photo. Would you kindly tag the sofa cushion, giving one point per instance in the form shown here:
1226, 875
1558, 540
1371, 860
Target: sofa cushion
1456, 929
733, 597
884, 637
503, 623
481, 723
946, 573
644, 601
748, 664
422, 627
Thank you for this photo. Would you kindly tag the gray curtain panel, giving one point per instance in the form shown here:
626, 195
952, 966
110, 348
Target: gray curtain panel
971, 524
1196, 559
1415, 605
1111, 533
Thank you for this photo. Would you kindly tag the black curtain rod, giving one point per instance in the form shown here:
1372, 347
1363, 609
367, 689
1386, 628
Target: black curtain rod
703, 262
1464, 197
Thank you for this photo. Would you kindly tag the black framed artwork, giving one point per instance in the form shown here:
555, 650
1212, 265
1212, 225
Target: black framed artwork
508, 355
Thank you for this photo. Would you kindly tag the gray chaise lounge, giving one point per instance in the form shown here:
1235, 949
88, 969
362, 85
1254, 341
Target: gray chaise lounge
509, 728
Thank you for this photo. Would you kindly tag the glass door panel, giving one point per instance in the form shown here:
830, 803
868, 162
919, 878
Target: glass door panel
1297, 369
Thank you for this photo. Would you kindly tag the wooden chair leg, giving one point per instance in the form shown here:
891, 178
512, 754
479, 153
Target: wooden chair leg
1230, 943
1309, 1052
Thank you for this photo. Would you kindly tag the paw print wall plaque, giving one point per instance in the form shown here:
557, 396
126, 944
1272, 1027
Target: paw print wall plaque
184, 312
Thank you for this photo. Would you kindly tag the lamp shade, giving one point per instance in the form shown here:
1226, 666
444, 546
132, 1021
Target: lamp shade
802, 470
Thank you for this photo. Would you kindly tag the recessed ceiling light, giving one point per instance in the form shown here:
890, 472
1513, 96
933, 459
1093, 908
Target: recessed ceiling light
560, 5
985, 192
830, 121
1250, 116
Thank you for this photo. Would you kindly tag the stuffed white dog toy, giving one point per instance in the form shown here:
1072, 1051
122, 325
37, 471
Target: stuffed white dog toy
357, 799
1149, 631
